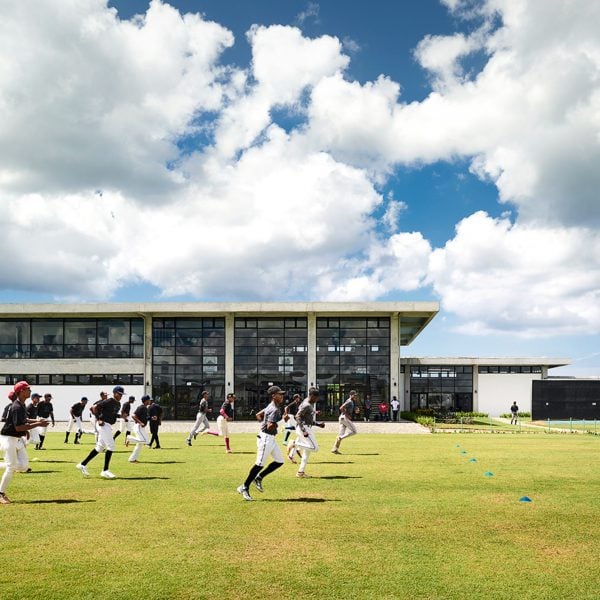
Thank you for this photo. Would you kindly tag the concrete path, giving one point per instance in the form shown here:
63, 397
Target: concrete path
253, 426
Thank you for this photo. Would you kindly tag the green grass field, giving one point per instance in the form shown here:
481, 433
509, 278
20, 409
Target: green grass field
395, 516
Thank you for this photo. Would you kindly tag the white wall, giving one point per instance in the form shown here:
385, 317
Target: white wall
64, 396
496, 392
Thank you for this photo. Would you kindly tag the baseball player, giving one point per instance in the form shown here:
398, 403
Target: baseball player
267, 444
305, 419
140, 437
289, 413
126, 424
106, 417
75, 420
155, 412
201, 419
226, 415
32, 414
45, 412
347, 427
12, 436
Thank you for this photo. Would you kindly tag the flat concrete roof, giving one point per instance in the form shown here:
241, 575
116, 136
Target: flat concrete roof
486, 360
414, 316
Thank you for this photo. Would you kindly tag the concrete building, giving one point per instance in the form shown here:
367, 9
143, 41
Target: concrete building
175, 350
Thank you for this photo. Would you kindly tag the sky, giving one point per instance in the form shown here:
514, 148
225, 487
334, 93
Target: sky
214, 150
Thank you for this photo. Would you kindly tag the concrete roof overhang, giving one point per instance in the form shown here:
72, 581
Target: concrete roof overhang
413, 316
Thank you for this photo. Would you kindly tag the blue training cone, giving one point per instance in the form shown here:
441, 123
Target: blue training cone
525, 499
457, 445
473, 460
488, 474
463, 452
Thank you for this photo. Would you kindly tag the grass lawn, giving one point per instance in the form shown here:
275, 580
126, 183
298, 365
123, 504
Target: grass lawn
395, 516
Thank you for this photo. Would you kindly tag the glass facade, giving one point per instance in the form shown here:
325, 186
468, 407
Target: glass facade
188, 356
442, 388
65, 379
268, 351
353, 353
71, 338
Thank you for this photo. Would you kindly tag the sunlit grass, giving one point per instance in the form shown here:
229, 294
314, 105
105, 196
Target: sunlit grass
395, 516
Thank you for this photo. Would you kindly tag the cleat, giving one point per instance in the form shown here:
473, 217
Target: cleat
134, 461
292, 459
302, 475
258, 484
229, 451
83, 470
188, 441
335, 451
107, 475
4, 499
126, 443
244, 492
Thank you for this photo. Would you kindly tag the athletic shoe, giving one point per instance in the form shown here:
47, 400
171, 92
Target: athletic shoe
244, 492
188, 441
228, 451
196, 435
107, 475
335, 451
292, 459
83, 470
29, 469
134, 461
302, 475
5, 500
126, 443
258, 484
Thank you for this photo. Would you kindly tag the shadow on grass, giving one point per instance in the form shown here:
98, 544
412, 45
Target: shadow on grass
302, 499
33, 472
362, 453
56, 501
335, 477
331, 462
140, 478
165, 462
53, 461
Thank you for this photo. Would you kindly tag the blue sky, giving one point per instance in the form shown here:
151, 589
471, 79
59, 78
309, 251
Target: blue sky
210, 150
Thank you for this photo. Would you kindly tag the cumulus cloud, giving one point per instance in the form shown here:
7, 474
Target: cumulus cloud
130, 152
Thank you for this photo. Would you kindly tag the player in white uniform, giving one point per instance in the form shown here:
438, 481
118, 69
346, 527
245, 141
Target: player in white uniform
226, 415
267, 444
139, 436
347, 427
106, 417
305, 419
201, 426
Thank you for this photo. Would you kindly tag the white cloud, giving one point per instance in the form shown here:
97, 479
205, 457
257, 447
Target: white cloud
528, 280
91, 102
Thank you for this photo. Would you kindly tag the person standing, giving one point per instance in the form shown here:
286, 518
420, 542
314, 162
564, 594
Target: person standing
75, 414
305, 419
384, 411
45, 412
12, 437
155, 419
126, 424
347, 427
226, 415
106, 417
140, 437
395, 408
514, 413
267, 444
367, 408
201, 420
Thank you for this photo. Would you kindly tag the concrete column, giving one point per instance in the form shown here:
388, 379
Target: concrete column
475, 388
312, 349
395, 389
229, 351
148, 354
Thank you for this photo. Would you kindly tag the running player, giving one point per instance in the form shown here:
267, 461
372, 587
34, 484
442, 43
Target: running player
347, 427
226, 415
305, 419
267, 444
75, 419
140, 418
45, 411
126, 424
106, 416
201, 420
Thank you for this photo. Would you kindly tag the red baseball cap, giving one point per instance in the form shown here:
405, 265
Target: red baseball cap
20, 386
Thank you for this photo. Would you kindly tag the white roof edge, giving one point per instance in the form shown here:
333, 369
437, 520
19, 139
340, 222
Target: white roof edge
489, 360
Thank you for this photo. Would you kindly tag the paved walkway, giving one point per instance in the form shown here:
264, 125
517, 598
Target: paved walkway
252, 427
